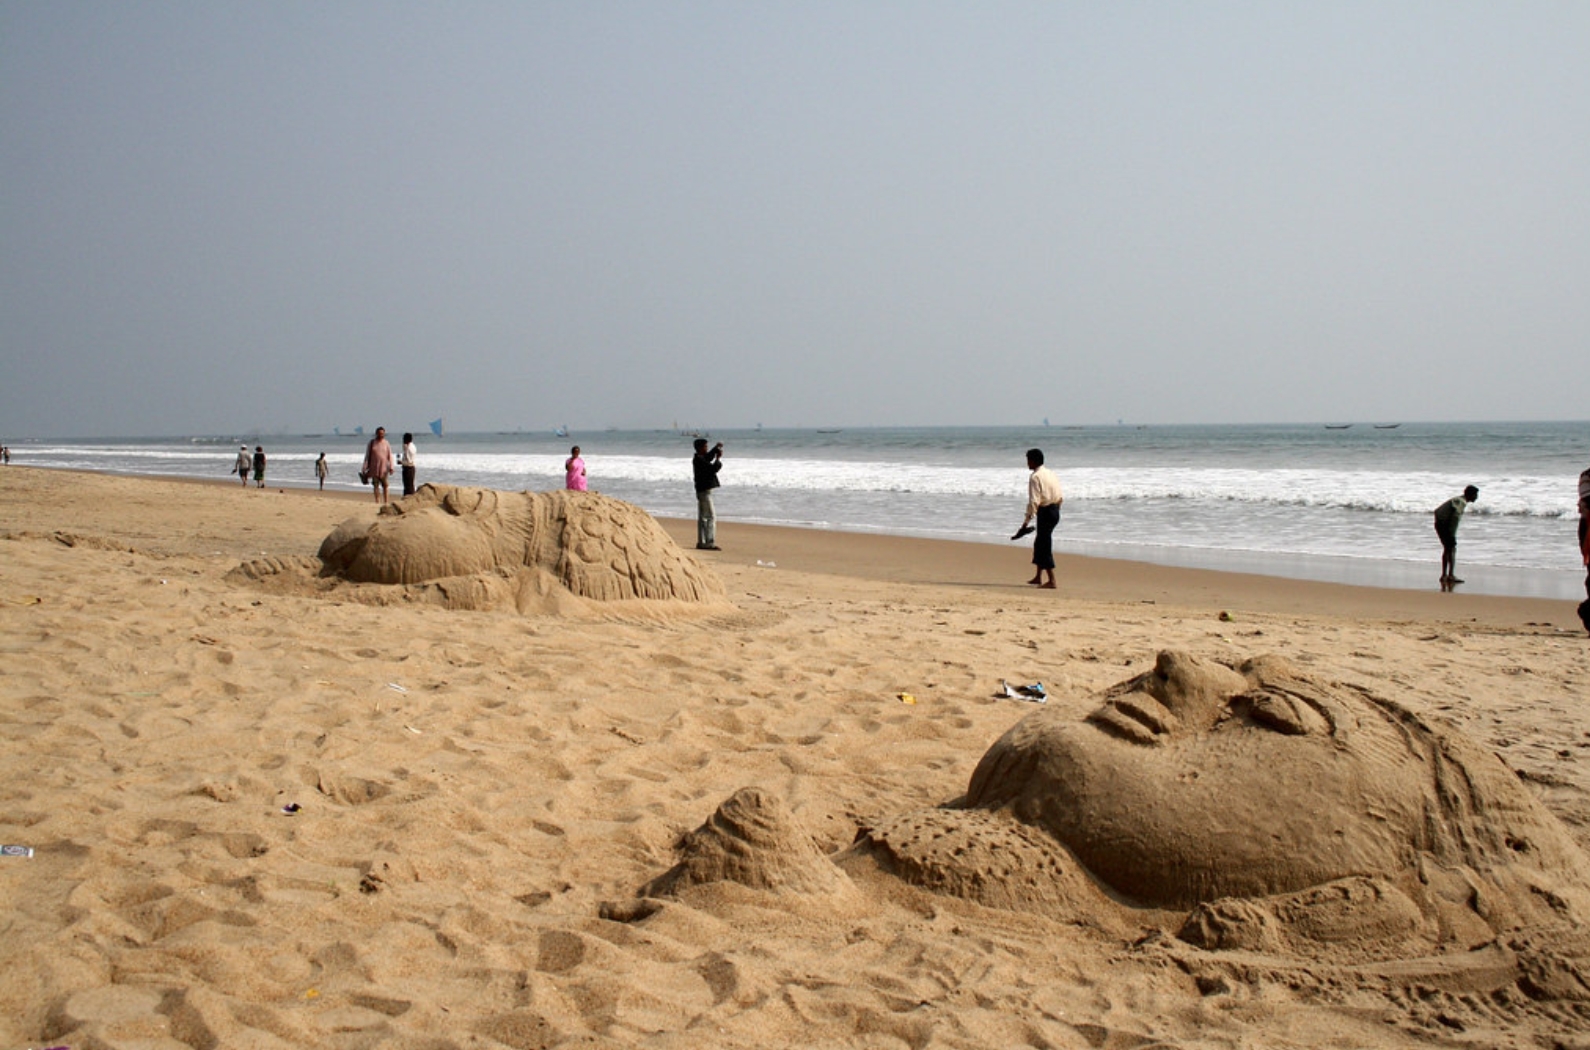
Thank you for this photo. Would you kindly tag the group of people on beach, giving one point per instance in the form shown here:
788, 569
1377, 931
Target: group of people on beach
1044, 499
1448, 514
704, 467
379, 464
1042, 514
247, 465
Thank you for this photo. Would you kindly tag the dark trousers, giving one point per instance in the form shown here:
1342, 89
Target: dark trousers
408, 481
1043, 543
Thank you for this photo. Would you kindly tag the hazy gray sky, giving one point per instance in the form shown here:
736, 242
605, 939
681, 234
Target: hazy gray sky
223, 217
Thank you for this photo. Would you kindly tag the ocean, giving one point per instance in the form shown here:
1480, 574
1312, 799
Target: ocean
1348, 504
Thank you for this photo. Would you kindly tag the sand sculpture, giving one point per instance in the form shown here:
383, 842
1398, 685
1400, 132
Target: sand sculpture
1245, 808
469, 548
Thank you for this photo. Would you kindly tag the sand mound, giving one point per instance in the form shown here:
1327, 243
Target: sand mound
753, 839
482, 549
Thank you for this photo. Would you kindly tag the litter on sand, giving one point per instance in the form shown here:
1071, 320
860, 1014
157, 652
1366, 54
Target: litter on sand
16, 851
1033, 692
394, 686
907, 698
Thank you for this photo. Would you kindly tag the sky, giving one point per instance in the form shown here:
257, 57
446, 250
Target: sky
286, 217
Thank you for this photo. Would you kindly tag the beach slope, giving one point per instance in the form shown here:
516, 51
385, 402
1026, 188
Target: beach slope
273, 818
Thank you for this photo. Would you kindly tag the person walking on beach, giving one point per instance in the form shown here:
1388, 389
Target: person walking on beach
321, 470
378, 464
574, 471
241, 465
706, 465
1447, 516
409, 458
259, 466
1043, 503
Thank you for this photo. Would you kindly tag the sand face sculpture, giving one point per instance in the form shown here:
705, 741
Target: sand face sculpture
1250, 808
469, 548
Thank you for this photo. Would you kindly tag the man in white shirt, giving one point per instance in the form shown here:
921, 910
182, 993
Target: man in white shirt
408, 463
1043, 503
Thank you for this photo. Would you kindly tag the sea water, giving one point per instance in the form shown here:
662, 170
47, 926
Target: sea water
1348, 503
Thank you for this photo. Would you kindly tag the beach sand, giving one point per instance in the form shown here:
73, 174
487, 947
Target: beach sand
480, 795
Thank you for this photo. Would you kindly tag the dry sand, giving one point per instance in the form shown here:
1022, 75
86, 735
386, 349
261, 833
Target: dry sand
481, 795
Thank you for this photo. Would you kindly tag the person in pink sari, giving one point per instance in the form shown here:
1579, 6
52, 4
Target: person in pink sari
574, 471
378, 464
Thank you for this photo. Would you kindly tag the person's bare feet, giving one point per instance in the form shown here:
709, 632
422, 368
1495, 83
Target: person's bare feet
1046, 586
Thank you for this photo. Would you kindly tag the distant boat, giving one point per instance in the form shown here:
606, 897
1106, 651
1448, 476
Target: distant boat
821, 431
1338, 426
1387, 426
562, 432
436, 427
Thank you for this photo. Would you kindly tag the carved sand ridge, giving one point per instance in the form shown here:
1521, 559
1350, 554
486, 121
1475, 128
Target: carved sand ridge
468, 548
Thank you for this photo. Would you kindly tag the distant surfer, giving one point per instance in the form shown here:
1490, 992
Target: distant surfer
1447, 516
1043, 504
